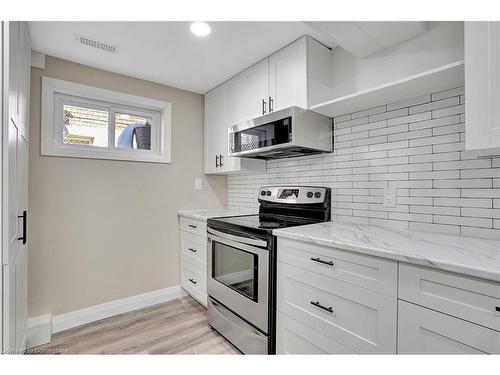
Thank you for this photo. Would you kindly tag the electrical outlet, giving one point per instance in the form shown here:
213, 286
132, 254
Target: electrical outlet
197, 184
389, 197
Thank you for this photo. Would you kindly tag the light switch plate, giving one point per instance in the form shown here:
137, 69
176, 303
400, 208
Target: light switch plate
197, 184
389, 197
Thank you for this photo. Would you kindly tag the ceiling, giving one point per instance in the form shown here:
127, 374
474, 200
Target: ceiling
167, 52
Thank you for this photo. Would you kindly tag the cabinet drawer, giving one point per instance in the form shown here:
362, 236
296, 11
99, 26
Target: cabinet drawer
468, 298
194, 281
198, 227
293, 337
363, 321
373, 273
424, 331
194, 247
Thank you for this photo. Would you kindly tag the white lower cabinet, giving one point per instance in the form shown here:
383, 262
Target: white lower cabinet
425, 331
193, 258
332, 301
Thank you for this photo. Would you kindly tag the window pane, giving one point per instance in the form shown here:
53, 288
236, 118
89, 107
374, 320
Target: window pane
85, 126
132, 131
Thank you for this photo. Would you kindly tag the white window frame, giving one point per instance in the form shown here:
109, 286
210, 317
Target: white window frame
56, 93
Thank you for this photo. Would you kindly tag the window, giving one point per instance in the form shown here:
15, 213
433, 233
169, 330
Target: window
87, 122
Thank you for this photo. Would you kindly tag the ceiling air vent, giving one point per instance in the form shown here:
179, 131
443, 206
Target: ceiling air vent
106, 47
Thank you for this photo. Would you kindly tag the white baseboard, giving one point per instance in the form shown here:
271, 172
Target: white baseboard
91, 314
39, 330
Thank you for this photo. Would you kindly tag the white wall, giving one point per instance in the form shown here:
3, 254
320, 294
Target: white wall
101, 230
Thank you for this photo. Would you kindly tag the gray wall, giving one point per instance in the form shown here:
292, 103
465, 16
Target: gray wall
417, 146
102, 230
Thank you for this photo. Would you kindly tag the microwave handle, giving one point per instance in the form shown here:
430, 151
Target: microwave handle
245, 240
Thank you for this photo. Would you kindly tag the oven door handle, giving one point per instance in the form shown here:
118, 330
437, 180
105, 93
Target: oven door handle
245, 240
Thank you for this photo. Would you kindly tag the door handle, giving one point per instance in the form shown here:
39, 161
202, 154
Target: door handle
317, 304
220, 160
263, 107
24, 216
216, 161
271, 104
319, 260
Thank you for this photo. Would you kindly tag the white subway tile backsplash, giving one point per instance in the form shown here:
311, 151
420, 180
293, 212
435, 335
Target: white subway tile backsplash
416, 146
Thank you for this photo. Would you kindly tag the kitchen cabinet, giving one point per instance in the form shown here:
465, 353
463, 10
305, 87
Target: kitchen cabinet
296, 75
335, 301
193, 258
482, 85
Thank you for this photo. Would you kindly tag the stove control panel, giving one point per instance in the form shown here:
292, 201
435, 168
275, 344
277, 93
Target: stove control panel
293, 194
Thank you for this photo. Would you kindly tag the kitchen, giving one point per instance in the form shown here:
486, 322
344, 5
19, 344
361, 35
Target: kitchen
323, 187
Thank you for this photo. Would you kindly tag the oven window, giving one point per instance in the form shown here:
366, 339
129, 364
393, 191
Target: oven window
236, 269
270, 134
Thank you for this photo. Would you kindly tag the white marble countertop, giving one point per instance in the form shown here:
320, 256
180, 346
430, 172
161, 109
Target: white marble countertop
465, 255
215, 212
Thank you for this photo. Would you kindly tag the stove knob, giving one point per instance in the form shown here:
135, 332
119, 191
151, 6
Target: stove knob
268, 193
309, 194
262, 193
317, 194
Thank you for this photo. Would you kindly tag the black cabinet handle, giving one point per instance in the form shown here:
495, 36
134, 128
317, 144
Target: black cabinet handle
216, 161
317, 304
191, 249
497, 308
24, 216
193, 281
192, 226
271, 104
220, 161
263, 107
319, 260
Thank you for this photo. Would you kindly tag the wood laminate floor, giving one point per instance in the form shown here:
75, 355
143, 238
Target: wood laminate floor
175, 327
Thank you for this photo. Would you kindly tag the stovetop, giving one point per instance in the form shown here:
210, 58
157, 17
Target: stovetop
260, 222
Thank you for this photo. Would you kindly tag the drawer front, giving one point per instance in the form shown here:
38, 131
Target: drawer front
194, 247
358, 318
468, 298
424, 331
194, 281
376, 274
293, 337
198, 227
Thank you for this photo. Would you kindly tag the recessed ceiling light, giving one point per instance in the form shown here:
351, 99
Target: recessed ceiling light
200, 28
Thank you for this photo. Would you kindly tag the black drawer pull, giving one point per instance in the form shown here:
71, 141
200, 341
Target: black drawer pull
193, 281
319, 260
191, 249
192, 226
317, 304
497, 308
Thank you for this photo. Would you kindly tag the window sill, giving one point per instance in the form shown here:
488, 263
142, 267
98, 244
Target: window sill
106, 155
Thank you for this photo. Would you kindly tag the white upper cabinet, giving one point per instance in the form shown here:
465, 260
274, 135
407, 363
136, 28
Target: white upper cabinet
297, 75
482, 85
288, 76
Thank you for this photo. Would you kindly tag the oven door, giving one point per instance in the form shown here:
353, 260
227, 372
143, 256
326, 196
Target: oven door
238, 275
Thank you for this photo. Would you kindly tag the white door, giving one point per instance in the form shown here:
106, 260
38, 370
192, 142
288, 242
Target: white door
288, 76
425, 331
214, 122
15, 192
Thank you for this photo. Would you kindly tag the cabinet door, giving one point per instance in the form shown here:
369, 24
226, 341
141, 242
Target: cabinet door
482, 85
246, 95
214, 124
425, 331
23, 78
288, 76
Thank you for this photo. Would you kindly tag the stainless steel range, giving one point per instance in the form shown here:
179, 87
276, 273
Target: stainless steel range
242, 263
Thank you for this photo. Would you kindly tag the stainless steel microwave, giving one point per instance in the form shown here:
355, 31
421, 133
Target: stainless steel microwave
289, 132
